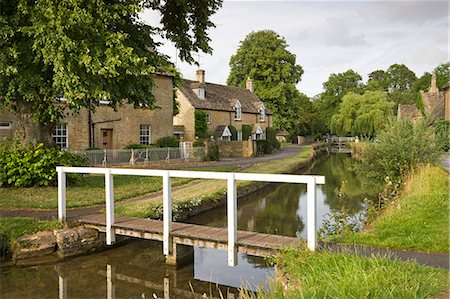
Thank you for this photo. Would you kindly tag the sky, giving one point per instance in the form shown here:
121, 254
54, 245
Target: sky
328, 36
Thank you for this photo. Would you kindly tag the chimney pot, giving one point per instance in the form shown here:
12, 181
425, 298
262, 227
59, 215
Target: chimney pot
249, 85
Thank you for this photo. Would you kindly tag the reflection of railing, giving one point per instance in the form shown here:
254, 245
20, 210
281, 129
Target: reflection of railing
146, 155
336, 139
231, 178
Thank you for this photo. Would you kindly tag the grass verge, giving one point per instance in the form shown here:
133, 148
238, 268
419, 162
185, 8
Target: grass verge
89, 191
14, 227
305, 274
417, 219
210, 191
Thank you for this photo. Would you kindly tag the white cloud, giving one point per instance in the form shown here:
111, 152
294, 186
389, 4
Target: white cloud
330, 36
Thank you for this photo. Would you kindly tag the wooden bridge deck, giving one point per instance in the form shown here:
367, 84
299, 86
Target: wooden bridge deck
251, 243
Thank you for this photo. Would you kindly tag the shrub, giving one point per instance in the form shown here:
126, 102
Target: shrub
26, 166
271, 136
199, 142
201, 126
246, 132
398, 150
168, 141
233, 132
213, 152
140, 146
263, 147
443, 134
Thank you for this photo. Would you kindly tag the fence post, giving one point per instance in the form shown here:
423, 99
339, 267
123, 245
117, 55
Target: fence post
311, 214
132, 157
232, 220
61, 194
109, 194
104, 158
167, 213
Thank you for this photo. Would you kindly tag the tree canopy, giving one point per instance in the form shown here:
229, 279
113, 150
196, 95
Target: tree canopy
263, 56
337, 85
362, 115
442, 72
84, 51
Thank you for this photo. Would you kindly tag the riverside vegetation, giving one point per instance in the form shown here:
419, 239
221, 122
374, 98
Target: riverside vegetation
412, 214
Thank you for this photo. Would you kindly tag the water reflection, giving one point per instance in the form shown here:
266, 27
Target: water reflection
281, 208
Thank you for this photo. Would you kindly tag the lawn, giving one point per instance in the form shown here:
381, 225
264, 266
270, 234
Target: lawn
417, 220
330, 275
206, 191
89, 191
14, 227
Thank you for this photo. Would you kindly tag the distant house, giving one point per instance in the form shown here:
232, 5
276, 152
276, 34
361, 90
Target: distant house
108, 129
436, 104
225, 107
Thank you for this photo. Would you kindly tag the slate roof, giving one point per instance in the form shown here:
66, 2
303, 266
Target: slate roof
221, 97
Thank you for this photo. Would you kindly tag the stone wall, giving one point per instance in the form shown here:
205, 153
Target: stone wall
186, 117
447, 102
236, 149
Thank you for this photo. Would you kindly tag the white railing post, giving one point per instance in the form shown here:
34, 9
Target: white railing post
62, 287
61, 194
167, 213
232, 220
110, 277
311, 214
109, 194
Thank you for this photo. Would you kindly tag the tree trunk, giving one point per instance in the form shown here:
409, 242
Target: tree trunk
30, 131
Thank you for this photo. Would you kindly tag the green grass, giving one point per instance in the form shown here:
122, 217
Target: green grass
330, 275
417, 220
208, 191
14, 227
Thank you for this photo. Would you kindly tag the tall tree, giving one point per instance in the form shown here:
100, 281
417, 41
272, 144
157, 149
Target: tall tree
363, 115
400, 81
84, 51
442, 72
335, 88
263, 57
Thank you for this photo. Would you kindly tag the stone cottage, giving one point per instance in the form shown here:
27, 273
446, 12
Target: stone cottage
436, 104
108, 129
225, 106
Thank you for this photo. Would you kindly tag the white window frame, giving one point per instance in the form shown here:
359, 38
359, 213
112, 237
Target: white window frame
239, 135
60, 135
262, 113
145, 132
238, 111
208, 118
201, 93
3, 127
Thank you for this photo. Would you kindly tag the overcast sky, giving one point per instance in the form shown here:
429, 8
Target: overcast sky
330, 36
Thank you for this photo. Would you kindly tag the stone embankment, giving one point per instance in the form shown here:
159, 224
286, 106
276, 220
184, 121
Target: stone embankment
46, 246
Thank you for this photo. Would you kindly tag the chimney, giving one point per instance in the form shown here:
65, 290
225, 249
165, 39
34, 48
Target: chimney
249, 84
201, 76
433, 87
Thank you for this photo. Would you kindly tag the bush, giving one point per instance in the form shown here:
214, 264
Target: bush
213, 152
263, 147
233, 132
140, 146
246, 132
27, 166
398, 150
201, 126
168, 141
271, 136
199, 142
443, 134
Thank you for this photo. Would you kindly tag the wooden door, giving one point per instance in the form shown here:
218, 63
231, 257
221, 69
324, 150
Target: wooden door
107, 138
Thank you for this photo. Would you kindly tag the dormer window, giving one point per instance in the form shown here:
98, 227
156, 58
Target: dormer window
262, 113
238, 111
201, 93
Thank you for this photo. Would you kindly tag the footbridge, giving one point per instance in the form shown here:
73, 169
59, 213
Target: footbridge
179, 238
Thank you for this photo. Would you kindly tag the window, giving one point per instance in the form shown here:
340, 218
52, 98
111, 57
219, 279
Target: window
201, 93
60, 136
239, 135
5, 125
262, 113
238, 111
145, 134
208, 118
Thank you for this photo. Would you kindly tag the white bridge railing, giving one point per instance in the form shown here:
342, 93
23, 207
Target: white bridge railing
310, 180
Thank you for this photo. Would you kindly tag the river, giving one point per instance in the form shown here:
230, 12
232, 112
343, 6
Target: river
137, 269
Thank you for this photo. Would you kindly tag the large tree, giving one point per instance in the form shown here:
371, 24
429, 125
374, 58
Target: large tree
442, 72
84, 51
337, 85
363, 115
263, 56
